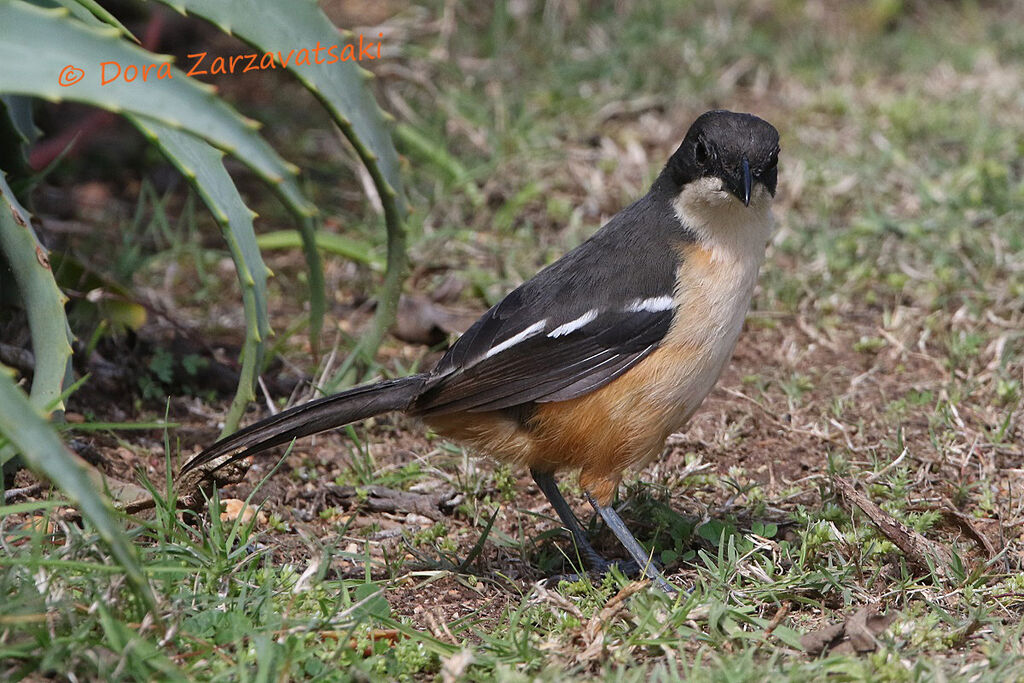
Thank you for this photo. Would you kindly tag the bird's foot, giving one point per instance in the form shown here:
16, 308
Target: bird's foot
628, 568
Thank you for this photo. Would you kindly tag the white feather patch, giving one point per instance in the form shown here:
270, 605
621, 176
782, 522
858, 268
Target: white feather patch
530, 331
653, 304
574, 325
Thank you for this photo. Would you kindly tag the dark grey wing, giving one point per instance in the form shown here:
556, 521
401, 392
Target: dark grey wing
544, 368
571, 329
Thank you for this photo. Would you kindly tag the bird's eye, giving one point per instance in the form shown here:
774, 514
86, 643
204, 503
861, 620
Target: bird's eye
773, 160
701, 153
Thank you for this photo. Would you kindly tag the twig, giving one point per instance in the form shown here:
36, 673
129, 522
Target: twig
877, 475
918, 549
780, 614
11, 494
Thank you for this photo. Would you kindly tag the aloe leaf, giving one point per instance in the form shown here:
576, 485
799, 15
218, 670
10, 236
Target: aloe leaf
20, 423
44, 302
202, 165
90, 12
16, 132
174, 100
99, 13
158, 91
288, 28
44, 452
20, 111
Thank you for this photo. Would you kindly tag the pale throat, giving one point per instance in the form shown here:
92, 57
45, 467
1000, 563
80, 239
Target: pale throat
714, 285
731, 232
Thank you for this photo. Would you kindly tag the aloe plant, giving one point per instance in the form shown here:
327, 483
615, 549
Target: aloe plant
23, 428
90, 36
282, 27
182, 103
202, 165
44, 302
194, 128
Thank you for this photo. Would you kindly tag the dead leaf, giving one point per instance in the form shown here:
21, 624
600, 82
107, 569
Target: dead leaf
423, 321
234, 508
594, 632
36, 524
864, 626
454, 667
383, 499
967, 525
389, 636
780, 614
856, 635
823, 639
128, 497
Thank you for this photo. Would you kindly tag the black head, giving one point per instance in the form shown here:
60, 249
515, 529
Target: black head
739, 149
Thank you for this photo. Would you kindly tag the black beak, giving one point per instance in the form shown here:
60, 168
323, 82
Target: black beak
740, 183
748, 182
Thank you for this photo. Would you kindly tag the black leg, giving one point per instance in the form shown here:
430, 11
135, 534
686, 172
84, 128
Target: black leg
636, 551
546, 483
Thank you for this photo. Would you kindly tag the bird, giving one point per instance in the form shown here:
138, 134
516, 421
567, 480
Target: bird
595, 361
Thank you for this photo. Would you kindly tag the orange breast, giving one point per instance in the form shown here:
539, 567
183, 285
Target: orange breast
627, 421
621, 424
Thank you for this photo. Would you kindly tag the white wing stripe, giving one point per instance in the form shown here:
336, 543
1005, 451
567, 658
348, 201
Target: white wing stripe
530, 331
574, 325
652, 305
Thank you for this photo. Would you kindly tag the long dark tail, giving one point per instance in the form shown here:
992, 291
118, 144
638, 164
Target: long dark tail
316, 416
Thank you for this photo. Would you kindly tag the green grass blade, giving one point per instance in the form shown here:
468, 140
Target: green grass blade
44, 452
415, 143
202, 165
329, 242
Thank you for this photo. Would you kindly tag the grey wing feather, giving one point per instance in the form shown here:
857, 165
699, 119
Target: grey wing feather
509, 357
